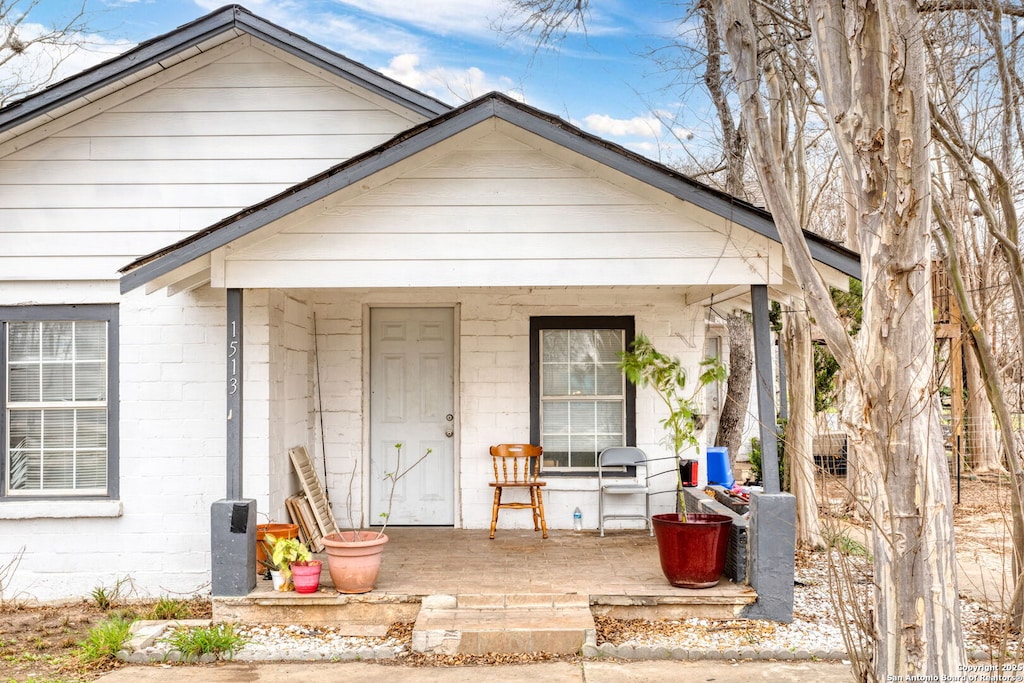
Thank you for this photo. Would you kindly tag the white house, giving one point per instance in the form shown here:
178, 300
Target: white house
230, 241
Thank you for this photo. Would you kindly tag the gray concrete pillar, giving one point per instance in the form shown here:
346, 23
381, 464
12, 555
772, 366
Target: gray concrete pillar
771, 564
233, 546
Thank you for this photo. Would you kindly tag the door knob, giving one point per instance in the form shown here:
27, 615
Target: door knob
449, 433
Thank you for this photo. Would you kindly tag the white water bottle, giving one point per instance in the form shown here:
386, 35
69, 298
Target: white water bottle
577, 520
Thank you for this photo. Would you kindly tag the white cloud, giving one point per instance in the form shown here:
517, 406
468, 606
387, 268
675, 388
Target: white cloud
446, 83
638, 126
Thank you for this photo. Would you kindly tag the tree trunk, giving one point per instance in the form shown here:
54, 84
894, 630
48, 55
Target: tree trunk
871, 66
800, 429
732, 421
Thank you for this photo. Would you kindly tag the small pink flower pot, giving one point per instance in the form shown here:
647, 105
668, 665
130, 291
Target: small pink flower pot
306, 576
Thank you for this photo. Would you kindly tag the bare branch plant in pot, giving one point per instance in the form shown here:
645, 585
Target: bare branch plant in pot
354, 556
691, 546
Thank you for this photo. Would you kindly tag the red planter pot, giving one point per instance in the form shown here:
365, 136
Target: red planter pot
692, 552
306, 576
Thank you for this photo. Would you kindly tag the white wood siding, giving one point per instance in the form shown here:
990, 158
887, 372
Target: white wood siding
495, 211
162, 158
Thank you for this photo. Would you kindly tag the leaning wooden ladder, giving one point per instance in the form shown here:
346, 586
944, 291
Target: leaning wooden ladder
314, 505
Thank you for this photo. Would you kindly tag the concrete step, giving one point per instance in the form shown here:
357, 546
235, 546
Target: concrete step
480, 624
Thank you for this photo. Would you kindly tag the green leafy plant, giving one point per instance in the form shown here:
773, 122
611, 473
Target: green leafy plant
106, 639
645, 366
285, 551
219, 639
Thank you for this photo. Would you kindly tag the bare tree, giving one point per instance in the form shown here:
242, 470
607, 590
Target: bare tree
31, 54
984, 152
869, 59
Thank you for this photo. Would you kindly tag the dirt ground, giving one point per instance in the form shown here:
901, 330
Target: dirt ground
41, 643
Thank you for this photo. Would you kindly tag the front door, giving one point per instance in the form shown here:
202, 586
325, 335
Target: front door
412, 393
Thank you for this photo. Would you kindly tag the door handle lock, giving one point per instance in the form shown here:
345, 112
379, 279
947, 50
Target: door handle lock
449, 417
449, 433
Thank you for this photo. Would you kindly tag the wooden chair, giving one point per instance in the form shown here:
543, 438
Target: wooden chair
517, 465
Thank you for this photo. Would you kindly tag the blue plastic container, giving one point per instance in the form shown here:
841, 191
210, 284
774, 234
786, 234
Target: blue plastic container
719, 471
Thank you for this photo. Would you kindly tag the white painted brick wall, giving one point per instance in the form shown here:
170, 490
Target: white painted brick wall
172, 419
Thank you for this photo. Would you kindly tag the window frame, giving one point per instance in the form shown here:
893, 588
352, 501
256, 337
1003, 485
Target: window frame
107, 313
538, 324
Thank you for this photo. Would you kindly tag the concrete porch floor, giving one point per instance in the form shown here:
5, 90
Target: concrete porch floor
619, 575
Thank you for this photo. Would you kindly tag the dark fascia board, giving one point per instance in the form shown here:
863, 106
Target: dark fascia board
422, 137
199, 31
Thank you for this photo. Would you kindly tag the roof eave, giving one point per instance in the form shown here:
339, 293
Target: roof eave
231, 17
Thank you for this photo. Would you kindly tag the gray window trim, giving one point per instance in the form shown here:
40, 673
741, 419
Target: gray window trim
105, 312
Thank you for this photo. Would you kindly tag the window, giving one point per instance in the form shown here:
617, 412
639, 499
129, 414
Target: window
580, 401
58, 391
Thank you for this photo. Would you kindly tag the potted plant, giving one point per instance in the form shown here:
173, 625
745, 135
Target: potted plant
691, 546
354, 556
265, 562
284, 552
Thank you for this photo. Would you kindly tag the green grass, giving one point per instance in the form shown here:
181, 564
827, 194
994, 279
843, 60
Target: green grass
170, 608
219, 639
107, 639
847, 545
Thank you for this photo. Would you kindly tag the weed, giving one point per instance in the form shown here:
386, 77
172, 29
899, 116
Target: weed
107, 639
218, 639
170, 608
108, 598
847, 545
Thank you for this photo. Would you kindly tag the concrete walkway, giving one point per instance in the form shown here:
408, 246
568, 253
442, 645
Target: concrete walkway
549, 672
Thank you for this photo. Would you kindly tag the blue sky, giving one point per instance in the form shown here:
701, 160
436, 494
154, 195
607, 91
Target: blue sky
451, 49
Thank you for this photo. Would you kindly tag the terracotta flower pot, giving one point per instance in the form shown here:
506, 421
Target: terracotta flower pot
306, 576
693, 552
353, 559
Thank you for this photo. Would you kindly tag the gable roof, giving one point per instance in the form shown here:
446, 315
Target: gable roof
423, 136
216, 27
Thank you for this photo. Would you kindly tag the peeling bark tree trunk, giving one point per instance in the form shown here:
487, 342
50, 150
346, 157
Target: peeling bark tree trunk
871, 67
800, 429
737, 393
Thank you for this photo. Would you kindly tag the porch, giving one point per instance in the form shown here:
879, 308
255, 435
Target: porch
517, 587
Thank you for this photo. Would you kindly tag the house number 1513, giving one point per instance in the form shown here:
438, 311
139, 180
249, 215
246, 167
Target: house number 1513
233, 359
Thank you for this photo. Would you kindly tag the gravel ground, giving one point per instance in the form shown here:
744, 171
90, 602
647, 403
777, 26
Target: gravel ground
814, 632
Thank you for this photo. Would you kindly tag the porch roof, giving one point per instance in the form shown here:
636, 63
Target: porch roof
188, 40
182, 255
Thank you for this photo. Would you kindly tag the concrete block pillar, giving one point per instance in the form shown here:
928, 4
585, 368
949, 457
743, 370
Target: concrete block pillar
771, 561
233, 545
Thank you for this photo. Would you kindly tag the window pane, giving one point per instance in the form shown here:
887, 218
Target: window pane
26, 429
555, 417
25, 468
91, 428
24, 383
609, 344
581, 417
90, 381
57, 382
58, 469
556, 450
58, 430
609, 379
581, 382
90, 340
556, 379
57, 341
91, 470
555, 345
24, 341
609, 417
